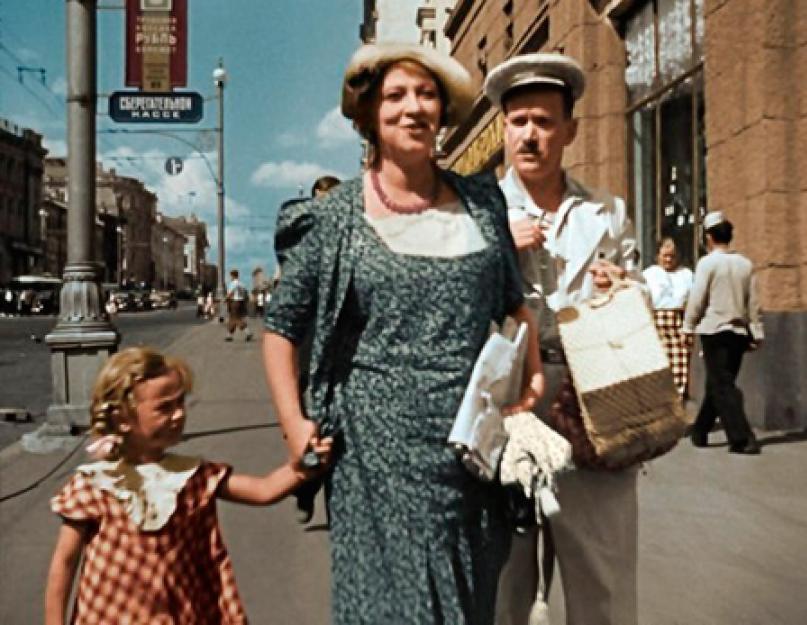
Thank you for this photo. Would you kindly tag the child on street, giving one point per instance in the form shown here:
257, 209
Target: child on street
144, 519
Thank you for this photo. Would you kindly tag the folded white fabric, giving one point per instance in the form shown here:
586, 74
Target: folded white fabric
534, 454
478, 431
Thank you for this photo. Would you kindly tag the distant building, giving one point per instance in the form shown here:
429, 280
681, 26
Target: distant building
21, 225
210, 277
168, 253
431, 19
390, 20
196, 247
125, 209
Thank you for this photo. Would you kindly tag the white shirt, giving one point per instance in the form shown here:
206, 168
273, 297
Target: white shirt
669, 290
589, 224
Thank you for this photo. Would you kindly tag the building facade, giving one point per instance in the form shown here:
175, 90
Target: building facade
390, 20
168, 252
690, 105
126, 210
21, 167
196, 245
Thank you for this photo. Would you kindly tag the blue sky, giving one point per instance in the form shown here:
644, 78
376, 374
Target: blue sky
285, 60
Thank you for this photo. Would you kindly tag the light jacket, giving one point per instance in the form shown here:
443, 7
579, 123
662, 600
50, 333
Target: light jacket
318, 246
588, 225
724, 297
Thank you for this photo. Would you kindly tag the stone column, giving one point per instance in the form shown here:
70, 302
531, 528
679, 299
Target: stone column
83, 336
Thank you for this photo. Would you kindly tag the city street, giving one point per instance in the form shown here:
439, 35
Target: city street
722, 536
25, 358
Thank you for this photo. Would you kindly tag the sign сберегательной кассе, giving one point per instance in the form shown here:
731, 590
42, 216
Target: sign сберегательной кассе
178, 107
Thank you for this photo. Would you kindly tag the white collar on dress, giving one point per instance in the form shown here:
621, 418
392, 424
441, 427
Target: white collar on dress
148, 492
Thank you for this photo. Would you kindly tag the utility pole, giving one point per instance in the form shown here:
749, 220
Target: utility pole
83, 338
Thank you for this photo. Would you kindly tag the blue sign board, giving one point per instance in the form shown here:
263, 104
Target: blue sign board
173, 107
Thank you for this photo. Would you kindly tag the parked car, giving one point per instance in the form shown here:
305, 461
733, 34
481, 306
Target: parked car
125, 300
36, 295
163, 299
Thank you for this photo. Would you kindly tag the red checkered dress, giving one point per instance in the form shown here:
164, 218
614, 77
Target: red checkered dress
668, 324
180, 574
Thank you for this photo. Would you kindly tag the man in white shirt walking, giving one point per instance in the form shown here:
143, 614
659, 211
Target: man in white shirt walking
237, 296
724, 310
572, 240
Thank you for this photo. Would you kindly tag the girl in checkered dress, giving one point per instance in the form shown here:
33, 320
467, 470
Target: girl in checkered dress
145, 520
669, 285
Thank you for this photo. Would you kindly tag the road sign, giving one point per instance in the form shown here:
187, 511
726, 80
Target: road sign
183, 107
173, 165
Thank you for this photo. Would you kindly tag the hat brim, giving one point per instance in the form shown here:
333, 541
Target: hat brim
369, 61
540, 68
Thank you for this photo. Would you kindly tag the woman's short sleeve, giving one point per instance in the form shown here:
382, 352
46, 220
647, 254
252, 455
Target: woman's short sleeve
78, 500
297, 245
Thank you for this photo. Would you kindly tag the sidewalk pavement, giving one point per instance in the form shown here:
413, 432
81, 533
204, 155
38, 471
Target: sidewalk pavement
723, 537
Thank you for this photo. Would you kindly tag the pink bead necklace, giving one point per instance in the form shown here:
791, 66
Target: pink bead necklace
405, 209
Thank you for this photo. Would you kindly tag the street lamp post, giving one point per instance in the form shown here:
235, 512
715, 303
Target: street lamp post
43, 238
219, 79
119, 231
165, 262
83, 337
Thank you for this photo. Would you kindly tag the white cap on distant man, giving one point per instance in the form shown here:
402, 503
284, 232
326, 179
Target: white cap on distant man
712, 219
540, 68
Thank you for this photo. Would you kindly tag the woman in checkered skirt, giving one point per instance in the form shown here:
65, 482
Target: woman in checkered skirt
145, 520
669, 285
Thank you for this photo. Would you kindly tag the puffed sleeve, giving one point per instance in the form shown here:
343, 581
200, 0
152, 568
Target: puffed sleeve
297, 245
78, 500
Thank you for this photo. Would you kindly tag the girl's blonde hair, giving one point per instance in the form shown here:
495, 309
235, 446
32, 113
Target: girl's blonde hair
113, 393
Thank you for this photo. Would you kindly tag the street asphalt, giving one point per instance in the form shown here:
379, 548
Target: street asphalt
25, 372
723, 538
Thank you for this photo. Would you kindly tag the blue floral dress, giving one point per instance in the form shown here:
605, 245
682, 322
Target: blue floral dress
415, 539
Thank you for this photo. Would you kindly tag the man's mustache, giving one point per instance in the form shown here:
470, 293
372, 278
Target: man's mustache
528, 147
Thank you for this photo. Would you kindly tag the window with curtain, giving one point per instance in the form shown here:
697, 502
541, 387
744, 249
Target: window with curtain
665, 117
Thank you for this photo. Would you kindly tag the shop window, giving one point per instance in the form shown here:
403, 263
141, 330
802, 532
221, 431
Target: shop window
665, 117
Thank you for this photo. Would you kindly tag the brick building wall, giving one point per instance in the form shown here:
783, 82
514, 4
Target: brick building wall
745, 74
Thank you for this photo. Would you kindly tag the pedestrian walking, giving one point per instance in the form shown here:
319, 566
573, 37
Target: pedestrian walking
200, 306
237, 297
111, 306
399, 272
145, 520
724, 311
670, 284
571, 239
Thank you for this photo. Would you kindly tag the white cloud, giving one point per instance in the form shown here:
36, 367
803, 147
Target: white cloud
59, 86
334, 129
27, 54
290, 139
55, 147
289, 174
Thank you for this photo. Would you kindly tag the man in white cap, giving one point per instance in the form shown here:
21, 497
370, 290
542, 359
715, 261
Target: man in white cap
572, 240
724, 310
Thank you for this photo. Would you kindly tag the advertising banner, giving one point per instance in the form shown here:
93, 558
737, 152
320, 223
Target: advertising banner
156, 44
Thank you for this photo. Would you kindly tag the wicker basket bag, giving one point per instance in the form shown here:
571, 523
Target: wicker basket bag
630, 409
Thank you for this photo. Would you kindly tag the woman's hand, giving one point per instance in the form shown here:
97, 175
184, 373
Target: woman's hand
300, 434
